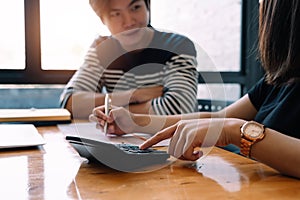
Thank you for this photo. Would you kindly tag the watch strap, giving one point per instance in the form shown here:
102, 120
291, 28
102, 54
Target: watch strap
246, 147
247, 143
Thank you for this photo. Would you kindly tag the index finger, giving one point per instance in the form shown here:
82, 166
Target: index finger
98, 111
161, 135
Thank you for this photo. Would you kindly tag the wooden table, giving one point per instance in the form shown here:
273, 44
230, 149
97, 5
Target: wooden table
55, 171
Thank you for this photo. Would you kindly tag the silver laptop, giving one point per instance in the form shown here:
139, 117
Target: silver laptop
19, 135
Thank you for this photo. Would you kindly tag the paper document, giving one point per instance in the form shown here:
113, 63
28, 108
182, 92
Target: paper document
89, 131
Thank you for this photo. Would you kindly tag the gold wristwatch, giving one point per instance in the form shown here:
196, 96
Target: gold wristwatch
251, 132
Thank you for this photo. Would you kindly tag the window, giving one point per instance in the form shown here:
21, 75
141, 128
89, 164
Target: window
67, 34
12, 40
49, 46
215, 28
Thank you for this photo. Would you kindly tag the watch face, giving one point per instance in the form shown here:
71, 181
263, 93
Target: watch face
253, 130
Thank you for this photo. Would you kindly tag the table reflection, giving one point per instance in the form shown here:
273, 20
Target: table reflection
221, 171
14, 176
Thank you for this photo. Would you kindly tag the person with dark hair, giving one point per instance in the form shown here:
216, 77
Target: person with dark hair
142, 69
264, 123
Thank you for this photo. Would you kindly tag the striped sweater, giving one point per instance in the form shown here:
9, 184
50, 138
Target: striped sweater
168, 61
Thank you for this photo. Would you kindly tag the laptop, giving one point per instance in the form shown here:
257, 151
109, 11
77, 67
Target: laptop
19, 135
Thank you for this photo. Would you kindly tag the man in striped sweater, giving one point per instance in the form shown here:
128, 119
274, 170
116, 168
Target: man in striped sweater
143, 69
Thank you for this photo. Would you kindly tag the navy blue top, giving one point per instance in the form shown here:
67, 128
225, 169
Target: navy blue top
278, 107
161, 49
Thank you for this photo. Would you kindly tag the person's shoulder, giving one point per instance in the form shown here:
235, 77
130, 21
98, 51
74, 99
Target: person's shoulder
174, 42
262, 83
98, 40
261, 87
171, 36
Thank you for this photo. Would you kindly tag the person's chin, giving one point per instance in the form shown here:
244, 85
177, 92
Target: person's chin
130, 45
130, 38
131, 33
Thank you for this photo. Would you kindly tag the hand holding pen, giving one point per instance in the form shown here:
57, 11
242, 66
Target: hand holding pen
100, 114
114, 120
108, 108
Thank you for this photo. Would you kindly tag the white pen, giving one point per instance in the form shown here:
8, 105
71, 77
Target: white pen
107, 106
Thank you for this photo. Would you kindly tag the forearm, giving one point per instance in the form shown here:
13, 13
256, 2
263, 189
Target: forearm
180, 87
141, 108
280, 152
81, 104
142, 95
276, 150
154, 123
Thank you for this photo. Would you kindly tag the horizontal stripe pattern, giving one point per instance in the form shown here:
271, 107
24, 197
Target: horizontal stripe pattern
178, 76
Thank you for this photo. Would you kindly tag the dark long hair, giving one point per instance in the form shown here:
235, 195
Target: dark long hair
279, 40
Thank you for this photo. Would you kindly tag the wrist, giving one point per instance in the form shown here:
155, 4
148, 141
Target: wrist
232, 130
